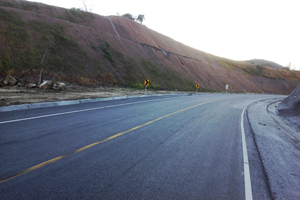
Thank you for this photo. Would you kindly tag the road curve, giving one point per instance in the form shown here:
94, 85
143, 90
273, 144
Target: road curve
185, 147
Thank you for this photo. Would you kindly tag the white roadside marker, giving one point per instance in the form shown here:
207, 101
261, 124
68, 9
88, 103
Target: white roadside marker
248, 188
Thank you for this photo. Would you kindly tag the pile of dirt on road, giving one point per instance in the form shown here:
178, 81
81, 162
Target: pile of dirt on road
290, 106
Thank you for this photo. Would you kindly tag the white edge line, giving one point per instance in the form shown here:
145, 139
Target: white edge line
248, 188
84, 110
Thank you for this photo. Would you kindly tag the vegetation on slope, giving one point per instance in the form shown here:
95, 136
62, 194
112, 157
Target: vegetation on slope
265, 63
90, 56
24, 44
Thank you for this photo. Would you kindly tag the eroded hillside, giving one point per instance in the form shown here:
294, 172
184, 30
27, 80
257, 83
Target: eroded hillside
90, 49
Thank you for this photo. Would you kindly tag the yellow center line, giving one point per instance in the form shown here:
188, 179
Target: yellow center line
43, 164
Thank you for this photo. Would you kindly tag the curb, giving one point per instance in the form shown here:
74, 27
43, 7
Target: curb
74, 102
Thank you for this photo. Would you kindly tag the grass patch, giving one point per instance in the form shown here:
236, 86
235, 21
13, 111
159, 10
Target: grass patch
77, 16
209, 90
30, 6
256, 70
64, 50
24, 43
107, 54
166, 77
151, 86
16, 50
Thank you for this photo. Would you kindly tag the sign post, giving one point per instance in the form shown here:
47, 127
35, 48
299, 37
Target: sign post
232, 88
226, 88
146, 83
197, 86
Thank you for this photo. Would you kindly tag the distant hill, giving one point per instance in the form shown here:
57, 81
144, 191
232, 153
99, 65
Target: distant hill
94, 50
265, 63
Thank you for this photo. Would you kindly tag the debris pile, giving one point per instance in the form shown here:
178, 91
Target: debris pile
11, 81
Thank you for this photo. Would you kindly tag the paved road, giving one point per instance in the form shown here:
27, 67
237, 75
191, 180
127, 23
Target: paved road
185, 147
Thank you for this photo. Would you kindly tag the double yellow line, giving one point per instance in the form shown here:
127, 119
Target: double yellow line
94, 144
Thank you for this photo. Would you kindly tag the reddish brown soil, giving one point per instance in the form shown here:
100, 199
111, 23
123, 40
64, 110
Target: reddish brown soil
188, 65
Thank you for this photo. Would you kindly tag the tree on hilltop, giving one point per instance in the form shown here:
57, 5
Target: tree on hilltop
129, 16
141, 18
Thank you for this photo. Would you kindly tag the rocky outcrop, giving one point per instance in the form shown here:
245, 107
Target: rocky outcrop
58, 86
31, 85
46, 85
21, 84
10, 81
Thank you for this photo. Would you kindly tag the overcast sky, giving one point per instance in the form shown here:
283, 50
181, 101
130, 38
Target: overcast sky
234, 29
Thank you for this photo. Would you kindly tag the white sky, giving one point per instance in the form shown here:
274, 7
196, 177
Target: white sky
234, 29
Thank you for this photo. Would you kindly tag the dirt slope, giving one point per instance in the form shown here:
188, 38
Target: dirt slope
85, 49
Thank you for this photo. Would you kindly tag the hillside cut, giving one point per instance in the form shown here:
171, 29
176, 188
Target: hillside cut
93, 50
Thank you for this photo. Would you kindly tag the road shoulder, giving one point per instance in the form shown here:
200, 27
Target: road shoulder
73, 102
278, 147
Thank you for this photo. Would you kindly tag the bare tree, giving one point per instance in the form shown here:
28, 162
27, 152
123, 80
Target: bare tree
44, 60
288, 67
87, 8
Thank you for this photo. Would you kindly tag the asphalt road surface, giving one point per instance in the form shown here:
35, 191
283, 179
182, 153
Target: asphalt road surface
181, 147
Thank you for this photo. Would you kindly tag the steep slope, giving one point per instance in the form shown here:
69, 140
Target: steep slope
90, 49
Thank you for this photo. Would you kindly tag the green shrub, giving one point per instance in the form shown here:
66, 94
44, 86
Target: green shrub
137, 85
107, 54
